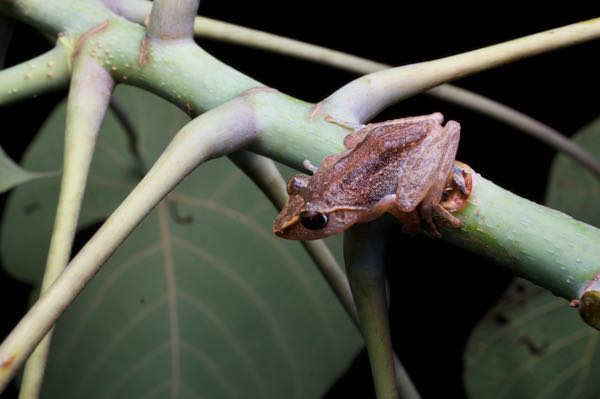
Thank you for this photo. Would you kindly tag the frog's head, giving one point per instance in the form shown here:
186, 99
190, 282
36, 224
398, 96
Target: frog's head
308, 217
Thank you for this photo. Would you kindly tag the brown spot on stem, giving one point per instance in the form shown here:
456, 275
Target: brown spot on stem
143, 58
258, 90
84, 38
315, 111
7, 362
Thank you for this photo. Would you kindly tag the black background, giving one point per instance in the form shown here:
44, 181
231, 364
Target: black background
437, 291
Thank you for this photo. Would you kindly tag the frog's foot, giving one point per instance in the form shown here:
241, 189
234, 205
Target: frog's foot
427, 212
443, 212
309, 166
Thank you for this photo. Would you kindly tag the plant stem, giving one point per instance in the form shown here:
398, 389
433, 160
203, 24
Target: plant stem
366, 96
227, 32
365, 264
172, 19
545, 246
91, 88
49, 71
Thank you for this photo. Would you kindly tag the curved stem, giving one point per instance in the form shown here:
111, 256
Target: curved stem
49, 71
173, 19
365, 264
214, 134
91, 88
368, 95
227, 32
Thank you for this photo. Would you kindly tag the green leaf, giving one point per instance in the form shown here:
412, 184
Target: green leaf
12, 175
201, 301
532, 344
572, 189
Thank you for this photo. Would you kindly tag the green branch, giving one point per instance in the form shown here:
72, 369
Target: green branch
364, 252
49, 71
173, 19
545, 246
368, 95
90, 92
138, 10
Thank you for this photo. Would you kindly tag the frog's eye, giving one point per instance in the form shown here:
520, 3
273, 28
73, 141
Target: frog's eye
313, 220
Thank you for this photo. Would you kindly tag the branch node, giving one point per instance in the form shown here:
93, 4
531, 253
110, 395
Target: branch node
86, 36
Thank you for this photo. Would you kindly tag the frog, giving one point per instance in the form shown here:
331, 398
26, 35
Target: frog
400, 167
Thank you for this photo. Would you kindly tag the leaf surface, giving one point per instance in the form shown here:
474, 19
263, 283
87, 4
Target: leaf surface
202, 300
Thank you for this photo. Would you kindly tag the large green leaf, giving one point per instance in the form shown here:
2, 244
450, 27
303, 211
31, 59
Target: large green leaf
572, 189
201, 301
532, 344
11, 174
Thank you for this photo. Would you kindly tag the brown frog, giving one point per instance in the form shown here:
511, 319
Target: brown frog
399, 166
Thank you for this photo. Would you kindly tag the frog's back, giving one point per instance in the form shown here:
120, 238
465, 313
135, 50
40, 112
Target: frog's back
371, 170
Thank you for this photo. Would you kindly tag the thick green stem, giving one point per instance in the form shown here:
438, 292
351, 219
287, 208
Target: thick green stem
49, 71
137, 10
545, 246
364, 246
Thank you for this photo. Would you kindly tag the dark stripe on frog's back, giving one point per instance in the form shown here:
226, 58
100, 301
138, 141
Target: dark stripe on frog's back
379, 161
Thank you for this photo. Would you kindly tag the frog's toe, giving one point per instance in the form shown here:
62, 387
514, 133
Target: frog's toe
443, 212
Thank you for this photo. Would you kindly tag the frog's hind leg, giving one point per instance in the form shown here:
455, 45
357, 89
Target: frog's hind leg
431, 202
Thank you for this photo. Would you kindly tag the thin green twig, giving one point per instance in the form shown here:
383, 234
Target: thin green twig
91, 88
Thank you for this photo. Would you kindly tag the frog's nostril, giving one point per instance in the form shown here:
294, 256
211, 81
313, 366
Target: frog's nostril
313, 220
